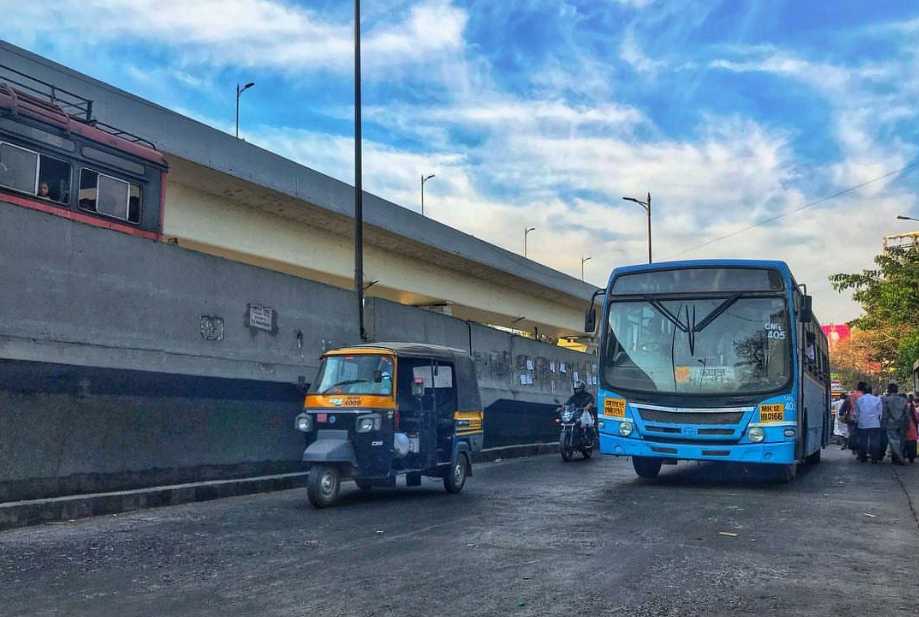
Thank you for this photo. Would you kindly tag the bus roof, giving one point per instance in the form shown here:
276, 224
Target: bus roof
772, 264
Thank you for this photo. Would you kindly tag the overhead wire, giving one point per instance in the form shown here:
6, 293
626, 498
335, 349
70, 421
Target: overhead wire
800, 208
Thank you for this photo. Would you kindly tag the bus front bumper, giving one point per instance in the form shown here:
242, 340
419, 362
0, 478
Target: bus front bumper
780, 453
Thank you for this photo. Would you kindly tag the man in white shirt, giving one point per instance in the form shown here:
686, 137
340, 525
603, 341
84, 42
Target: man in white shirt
869, 409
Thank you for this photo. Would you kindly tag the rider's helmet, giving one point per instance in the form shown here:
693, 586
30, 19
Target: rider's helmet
579, 386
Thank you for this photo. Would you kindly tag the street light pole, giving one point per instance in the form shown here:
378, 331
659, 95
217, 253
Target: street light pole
900, 217
358, 183
583, 261
239, 91
647, 206
526, 232
423, 180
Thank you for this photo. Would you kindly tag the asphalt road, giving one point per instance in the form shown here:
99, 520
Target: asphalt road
527, 537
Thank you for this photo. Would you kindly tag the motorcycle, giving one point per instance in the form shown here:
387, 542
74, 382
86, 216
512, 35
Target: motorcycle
578, 433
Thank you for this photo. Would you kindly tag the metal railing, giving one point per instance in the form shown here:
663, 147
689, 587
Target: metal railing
77, 107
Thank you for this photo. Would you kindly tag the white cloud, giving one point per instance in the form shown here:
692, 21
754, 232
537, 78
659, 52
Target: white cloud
264, 33
631, 53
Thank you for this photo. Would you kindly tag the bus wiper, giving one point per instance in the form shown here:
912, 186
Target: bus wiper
714, 314
674, 319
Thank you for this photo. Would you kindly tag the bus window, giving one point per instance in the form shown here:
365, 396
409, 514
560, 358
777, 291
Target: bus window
109, 196
18, 168
54, 175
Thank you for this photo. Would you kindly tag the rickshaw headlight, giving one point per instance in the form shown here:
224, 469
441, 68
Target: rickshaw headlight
303, 422
365, 424
756, 434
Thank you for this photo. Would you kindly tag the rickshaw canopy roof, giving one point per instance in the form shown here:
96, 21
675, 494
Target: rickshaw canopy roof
467, 387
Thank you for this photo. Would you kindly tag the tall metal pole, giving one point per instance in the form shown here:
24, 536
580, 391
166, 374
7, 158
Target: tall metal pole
526, 232
237, 110
649, 227
358, 184
422, 194
583, 261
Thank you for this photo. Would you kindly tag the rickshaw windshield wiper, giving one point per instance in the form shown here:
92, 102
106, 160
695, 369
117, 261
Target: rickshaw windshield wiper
346, 382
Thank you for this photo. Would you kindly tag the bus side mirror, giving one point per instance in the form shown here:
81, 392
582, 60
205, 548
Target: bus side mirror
806, 314
590, 319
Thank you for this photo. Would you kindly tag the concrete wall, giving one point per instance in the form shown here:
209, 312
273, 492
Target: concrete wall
125, 362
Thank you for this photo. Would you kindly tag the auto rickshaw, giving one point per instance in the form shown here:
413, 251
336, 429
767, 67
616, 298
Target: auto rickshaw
378, 411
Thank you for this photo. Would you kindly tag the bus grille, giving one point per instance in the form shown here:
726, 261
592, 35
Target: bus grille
688, 417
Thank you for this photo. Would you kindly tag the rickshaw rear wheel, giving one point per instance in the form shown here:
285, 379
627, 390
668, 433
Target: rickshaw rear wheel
323, 486
456, 477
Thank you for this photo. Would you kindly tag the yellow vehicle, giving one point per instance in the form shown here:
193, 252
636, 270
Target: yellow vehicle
378, 411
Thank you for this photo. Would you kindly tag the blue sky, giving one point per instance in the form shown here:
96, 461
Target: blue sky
546, 112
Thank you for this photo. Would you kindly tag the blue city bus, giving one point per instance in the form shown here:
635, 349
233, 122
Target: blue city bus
716, 360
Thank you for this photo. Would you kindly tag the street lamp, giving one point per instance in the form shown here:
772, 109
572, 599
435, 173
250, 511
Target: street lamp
647, 206
906, 218
423, 180
583, 261
358, 182
526, 232
239, 91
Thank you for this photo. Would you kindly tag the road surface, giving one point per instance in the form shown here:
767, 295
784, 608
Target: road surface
527, 537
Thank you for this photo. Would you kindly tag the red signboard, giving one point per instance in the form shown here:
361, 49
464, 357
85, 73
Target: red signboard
836, 333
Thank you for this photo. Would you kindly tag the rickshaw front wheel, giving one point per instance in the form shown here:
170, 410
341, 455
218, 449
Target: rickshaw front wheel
456, 477
324, 484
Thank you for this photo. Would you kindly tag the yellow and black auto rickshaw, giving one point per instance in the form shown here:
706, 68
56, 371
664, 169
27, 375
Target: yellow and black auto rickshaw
381, 410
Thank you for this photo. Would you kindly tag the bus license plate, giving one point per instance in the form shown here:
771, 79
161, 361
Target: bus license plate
614, 407
772, 413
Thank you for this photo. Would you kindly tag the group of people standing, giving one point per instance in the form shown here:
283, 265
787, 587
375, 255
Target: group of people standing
871, 425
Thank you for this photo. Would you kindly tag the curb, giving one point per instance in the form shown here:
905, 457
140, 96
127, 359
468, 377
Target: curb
490, 455
37, 511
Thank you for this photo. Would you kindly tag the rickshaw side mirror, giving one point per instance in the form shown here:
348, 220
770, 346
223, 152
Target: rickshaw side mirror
418, 388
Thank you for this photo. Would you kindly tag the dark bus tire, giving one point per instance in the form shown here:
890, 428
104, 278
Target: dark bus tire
323, 486
814, 459
455, 479
647, 468
787, 473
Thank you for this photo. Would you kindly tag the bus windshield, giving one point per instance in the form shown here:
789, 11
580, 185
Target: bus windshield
358, 374
727, 345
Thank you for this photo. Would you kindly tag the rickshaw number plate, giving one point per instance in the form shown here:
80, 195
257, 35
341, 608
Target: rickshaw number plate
614, 407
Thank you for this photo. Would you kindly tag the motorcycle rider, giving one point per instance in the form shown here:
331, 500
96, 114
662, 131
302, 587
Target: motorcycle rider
582, 399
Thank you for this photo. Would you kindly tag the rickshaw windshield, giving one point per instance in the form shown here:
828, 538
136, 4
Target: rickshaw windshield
358, 374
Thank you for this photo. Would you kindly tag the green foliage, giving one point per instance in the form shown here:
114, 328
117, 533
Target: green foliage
889, 296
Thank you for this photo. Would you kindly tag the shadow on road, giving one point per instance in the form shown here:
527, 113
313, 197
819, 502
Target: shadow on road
733, 475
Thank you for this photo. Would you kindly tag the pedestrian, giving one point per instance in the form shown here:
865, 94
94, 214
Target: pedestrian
869, 409
852, 419
894, 422
840, 430
850, 413
912, 429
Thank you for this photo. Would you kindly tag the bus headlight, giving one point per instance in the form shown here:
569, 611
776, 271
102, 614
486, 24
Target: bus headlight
756, 434
303, 422
625, 428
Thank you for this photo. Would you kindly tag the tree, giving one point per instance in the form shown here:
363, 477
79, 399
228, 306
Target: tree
889, 297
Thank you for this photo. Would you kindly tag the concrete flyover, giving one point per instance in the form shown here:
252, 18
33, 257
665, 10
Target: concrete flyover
230, 198
129, 363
